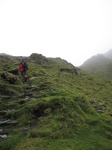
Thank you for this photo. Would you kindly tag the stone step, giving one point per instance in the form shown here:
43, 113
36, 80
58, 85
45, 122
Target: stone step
8, 122
3, 137
5, 131
4, 112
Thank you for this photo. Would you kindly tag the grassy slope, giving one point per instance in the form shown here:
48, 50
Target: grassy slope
62, 118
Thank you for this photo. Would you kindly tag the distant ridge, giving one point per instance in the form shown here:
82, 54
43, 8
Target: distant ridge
100, 64
4, 54
108, 54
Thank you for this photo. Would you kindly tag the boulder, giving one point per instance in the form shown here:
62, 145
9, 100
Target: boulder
9, 77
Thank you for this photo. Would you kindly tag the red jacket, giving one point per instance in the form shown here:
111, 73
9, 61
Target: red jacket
21, 68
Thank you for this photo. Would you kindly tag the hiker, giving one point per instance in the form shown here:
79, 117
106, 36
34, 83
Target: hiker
23, 67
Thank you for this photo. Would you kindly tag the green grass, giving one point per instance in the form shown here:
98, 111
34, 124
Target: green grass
62, 117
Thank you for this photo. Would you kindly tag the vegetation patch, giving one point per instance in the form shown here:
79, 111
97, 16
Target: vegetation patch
58, 107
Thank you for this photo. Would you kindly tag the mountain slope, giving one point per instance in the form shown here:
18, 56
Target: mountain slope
100, 65
59, 107
108, 54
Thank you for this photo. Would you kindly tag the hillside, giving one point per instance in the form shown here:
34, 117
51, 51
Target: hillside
108, 54
58, 107
100, 64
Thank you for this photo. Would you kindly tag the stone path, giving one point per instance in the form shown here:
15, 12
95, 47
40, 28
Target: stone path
6, 123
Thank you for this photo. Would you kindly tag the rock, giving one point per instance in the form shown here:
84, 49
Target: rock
48, 75
27, 98
20, 96
3, 136
23, 129
32, 78
14, 71
9, 77
7, 122
101, 111
92, 101
5, 92
3, 112
38, 96
33, 86
38, 58
22, 102
5, 131
28, 94
73, 71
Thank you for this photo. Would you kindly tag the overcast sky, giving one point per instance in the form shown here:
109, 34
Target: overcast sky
74, 30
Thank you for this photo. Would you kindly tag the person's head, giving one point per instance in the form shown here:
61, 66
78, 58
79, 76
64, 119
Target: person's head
22, 61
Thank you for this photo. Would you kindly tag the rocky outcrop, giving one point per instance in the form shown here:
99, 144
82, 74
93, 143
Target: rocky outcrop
9, 77
73, 71
14, 71
99, 107
39, 59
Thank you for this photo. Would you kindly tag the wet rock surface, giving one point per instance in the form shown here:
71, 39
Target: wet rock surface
7, 122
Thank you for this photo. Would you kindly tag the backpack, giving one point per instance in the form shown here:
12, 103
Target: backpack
25, 66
